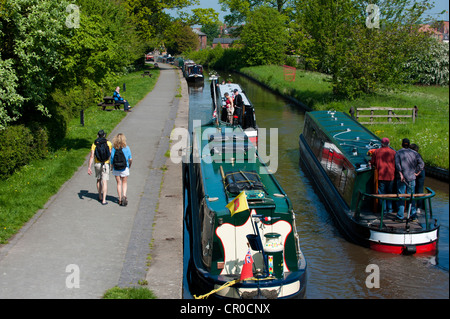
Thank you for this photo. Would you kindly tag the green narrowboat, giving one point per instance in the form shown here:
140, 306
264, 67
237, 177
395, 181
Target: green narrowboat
221, 168
335, 150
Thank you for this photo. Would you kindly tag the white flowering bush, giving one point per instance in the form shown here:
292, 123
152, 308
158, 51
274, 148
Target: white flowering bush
431, 66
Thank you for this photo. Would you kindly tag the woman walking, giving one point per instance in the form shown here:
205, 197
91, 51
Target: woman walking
121, 162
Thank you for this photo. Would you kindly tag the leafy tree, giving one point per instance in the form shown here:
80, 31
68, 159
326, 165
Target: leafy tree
240, 9
10, 101
211, 31
361, 57
430, 65
179, 38
31, 36
264, 37
202, 16
149, 16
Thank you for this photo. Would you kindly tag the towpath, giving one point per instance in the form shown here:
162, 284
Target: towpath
77, 248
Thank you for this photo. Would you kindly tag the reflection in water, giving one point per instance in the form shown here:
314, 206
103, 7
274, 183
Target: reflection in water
336, 267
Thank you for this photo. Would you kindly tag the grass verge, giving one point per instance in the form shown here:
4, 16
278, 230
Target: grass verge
129, 293
30, 188
430, 131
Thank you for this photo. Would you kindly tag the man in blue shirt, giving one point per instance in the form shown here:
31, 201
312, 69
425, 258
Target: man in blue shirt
119, 99
409, 165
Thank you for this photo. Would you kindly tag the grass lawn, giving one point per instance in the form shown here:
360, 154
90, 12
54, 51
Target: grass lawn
430, 131
27, 191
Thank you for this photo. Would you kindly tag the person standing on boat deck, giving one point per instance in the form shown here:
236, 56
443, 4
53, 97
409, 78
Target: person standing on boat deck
384, 161
420, 181
238, 106
409, 165
229, 107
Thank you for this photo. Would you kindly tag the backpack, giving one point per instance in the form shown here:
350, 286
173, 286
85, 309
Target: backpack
119, 161
102, 152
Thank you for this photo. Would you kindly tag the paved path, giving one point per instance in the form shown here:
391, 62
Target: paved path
77, 248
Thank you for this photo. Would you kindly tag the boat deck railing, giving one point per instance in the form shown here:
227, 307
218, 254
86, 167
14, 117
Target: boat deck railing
426, 197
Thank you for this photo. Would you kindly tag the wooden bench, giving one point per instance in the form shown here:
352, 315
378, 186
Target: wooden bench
108, 101
147, 73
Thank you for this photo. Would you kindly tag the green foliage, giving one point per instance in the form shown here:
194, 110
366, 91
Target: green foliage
240, 9
361, 59
31, 35
218, 58
150, 18
129, 293
430, 66
211, 30
41, 57
264, 37
10, 100
180, 38
19, 146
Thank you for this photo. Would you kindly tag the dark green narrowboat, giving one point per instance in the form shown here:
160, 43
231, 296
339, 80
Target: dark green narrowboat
335, 151
221, 165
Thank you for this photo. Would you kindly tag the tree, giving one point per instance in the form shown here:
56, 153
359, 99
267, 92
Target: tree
359, 56
264, 37
31, 36
10, 101
179, 38
149, 16
240, 9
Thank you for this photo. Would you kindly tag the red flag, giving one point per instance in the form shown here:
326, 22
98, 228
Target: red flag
247, 271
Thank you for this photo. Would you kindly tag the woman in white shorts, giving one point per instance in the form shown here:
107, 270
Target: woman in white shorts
120, 143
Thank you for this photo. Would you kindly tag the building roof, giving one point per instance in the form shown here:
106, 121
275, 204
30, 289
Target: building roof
224, 40
198, 32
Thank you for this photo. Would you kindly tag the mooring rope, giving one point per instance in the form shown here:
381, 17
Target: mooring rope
229, 284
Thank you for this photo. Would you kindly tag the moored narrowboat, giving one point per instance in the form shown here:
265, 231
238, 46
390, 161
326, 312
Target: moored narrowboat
248, 118
335, 151
192, 72
243, 236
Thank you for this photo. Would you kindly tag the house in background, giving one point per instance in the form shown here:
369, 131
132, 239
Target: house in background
438, 30
201, 38
224, 42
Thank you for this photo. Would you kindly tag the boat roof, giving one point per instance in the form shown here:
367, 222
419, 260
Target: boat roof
347, 135
214, 163
230, 87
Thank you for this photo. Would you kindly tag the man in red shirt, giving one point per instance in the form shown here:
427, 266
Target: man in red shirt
384, 161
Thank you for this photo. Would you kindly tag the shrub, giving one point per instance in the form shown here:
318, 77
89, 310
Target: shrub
431, 65
19, 146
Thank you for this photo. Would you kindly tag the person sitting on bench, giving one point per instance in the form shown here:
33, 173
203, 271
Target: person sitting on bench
119, 99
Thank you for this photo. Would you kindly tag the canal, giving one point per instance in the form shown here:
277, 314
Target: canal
336, 267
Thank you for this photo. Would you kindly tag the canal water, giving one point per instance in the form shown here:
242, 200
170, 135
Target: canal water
336, 267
